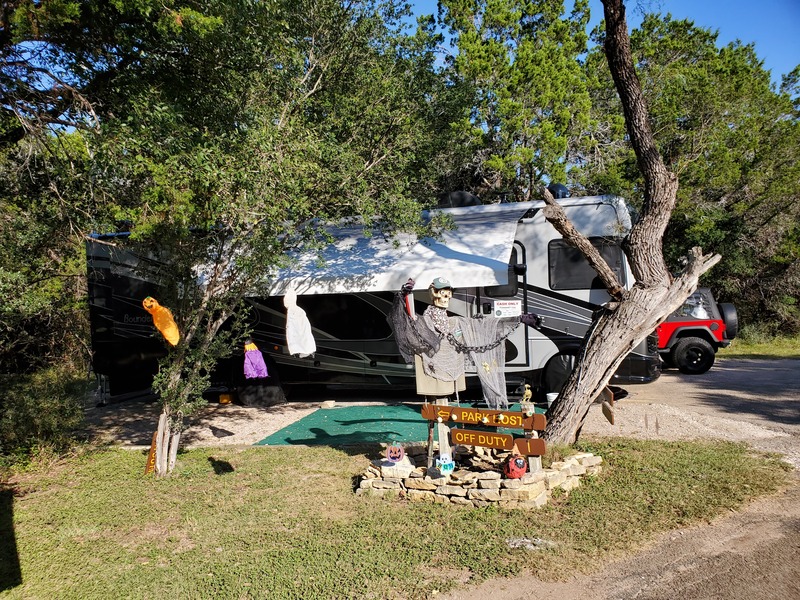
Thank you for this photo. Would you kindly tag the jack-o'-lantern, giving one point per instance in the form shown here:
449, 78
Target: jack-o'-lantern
515, 467
395, 453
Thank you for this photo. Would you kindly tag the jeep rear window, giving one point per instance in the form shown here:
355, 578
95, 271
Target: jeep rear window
569, 269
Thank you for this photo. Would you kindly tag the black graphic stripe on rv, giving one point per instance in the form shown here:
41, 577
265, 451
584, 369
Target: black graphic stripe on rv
561, 313
532, 289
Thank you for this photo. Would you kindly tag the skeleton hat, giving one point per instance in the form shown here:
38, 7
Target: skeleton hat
440, 283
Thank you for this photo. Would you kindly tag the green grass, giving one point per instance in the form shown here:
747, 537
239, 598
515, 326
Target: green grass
760, 346
284, 523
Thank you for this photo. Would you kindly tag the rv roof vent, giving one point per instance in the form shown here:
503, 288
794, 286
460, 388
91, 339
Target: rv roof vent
559, 190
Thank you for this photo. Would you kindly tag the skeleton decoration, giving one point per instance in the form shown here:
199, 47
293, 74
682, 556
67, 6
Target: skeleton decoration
439, 345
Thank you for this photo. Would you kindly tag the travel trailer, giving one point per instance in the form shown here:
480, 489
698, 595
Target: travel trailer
502, 259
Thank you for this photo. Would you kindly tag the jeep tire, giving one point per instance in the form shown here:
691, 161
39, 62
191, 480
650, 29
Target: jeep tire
693, 355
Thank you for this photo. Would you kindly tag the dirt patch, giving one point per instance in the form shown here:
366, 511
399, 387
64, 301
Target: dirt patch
747, 555
132, 423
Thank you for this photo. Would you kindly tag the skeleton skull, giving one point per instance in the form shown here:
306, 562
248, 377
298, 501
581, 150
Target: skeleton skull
441, 296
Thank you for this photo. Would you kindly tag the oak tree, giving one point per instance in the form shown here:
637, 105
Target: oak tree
634, 313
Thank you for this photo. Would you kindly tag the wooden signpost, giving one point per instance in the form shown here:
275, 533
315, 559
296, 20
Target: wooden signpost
150, 466
526, 446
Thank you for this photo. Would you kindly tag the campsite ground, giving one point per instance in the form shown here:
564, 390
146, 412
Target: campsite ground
749, 554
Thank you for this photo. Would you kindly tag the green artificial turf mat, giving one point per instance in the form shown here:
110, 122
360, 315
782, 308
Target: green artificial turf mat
354, 425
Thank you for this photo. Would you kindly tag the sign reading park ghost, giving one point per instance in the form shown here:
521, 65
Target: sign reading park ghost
494, 418
480, 416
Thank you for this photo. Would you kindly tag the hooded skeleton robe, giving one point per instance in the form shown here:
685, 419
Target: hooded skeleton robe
485, 341
440, 345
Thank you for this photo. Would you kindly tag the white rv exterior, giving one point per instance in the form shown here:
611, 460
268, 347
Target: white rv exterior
499, 258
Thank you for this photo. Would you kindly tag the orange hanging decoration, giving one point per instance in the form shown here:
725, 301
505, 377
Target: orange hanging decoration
162, 319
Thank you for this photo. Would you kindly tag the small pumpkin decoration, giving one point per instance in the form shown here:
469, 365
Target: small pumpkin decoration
515, 467
395, 453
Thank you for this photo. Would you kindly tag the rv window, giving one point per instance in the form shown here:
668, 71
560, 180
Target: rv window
510, 289
569, 269
348, 316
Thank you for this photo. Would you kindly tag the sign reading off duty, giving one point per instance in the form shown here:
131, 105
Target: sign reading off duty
503, 441
479, 416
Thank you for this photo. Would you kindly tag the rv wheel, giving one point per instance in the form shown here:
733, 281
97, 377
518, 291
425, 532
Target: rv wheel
557, 371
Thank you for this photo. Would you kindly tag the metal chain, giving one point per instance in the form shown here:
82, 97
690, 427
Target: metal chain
462, 347
480, 349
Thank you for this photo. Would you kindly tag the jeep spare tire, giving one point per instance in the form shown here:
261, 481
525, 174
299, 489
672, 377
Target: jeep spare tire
731, 318
693, 355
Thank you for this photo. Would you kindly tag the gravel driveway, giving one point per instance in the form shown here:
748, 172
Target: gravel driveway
754, 401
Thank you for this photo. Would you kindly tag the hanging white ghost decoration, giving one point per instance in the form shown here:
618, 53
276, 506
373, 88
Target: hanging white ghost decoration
299, 339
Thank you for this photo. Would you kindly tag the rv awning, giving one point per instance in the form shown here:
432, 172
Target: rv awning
475, 253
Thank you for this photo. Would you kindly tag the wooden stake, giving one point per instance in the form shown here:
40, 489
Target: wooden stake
444, 432
534, 462
150, 465
430, 444
608, 412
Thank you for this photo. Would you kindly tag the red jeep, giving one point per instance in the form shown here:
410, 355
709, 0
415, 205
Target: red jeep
691, 336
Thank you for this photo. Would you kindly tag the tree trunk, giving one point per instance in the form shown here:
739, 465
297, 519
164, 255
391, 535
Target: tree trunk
613, 335
638, 311
168, 439
162, 439
174, 442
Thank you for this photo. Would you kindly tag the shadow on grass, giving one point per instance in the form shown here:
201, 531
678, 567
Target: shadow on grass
221, 467
10, 573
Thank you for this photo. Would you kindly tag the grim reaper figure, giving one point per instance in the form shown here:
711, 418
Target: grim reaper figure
439, 345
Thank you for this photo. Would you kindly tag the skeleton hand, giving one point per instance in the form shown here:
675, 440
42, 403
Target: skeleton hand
407, 287
532, 320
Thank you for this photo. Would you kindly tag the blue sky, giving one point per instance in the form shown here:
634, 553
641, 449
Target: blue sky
772, 25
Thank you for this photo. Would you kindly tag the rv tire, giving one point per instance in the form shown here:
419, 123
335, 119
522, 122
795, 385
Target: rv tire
558, 370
